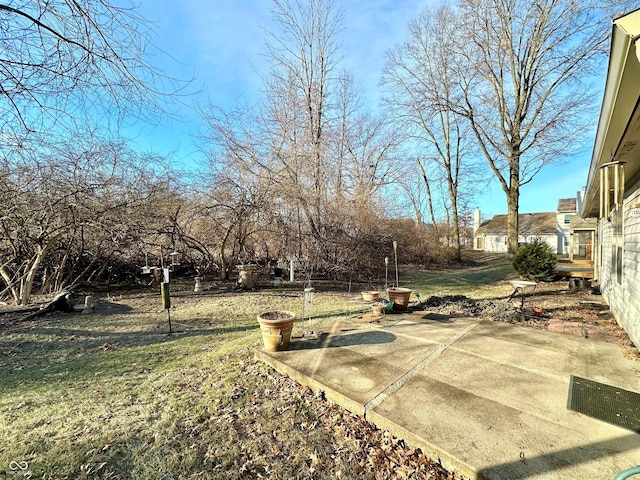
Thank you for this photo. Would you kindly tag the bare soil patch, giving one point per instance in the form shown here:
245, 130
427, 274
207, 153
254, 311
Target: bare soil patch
552, 306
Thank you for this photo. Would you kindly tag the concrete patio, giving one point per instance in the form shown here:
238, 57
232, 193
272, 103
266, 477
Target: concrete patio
487, 399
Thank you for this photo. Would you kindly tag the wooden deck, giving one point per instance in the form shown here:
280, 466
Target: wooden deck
574, 269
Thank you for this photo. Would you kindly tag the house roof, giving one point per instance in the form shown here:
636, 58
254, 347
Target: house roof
567, 205
618, 133
528, 224
579, 223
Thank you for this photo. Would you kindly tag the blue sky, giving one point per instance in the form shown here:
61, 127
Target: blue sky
222, 44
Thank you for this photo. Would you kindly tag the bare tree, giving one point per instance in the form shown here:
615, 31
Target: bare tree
304, 55
237, 205
68, 211
525, 83
420, 80
323, 159
364, 144
368, 163
425, 179
64, 60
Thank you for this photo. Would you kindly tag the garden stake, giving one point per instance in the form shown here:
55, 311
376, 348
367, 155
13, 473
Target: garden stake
166, 302
386, 272
308, 308
395, 252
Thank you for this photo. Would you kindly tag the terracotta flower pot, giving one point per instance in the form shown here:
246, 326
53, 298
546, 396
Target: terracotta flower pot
276, 327
370, 296
400, 297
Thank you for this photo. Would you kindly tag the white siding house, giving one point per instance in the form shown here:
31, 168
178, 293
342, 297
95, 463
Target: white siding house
491, 236
554, 228
567, 209
613, 187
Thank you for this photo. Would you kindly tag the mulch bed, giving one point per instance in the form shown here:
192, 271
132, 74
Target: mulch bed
557, 308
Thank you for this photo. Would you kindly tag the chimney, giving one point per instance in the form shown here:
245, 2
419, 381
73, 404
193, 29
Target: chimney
580, 200
476, 220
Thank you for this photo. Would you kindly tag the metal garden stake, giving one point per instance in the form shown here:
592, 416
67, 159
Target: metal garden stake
386, 272
308, 306
395, 252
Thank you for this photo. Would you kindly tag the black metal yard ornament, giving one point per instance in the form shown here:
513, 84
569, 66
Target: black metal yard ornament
164, 289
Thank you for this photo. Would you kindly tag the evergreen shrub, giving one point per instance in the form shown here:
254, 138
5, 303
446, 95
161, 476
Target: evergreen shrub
535, 261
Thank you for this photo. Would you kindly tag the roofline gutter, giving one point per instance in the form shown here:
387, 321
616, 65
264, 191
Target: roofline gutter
619, 52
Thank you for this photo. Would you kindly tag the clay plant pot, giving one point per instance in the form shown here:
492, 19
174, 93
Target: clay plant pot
370, 296
378, 308
276, 327
400, 297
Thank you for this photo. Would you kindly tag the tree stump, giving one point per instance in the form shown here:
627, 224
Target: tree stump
60, 303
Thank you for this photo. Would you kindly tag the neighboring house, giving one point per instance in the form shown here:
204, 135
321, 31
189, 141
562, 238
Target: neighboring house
582, 240
576, 235
613, 188
566, 233
553, 228
567, 209
491, 235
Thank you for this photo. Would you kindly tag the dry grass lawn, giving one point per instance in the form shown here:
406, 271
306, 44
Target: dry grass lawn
112, 395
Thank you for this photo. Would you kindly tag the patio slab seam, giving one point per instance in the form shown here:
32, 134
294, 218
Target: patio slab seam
399, 382
473, 426
563, 377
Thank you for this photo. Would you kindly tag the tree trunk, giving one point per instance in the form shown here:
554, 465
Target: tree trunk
10, 285
456, 223
26, 285
513, 200
429, 199
224, 266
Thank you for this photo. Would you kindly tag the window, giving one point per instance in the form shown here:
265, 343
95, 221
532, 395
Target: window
567, 218
616, 263
617, 252
583, 244
611, 196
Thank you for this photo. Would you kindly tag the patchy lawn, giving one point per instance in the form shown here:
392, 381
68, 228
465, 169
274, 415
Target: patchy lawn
112, 395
